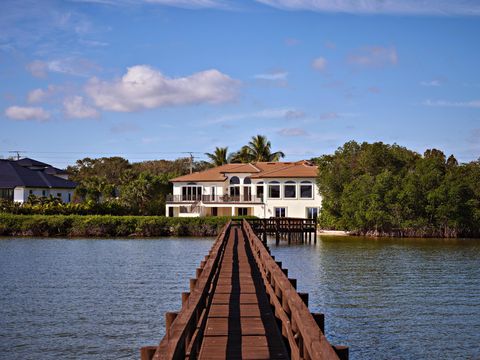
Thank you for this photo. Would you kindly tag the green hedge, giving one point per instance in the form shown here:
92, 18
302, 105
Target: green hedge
108, 226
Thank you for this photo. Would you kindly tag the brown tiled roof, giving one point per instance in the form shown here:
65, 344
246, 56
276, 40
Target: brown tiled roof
258, 170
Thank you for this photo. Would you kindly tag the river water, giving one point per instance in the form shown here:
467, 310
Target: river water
103, 299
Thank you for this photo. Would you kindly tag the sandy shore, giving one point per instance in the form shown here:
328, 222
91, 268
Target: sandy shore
333, 233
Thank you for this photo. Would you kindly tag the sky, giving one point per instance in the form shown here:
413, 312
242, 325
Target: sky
157, 79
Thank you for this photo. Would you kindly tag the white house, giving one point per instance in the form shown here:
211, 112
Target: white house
262, 189
21, 178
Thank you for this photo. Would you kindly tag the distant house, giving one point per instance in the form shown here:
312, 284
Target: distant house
21, 178
262, 189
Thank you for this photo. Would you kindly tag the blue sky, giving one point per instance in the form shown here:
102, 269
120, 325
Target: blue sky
156, 79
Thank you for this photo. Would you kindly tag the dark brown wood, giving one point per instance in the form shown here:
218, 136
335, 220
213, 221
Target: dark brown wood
320, 320
147, 352
242, 305
342, 351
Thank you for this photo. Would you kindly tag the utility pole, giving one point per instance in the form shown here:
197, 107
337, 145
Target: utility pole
16, 152
191, 162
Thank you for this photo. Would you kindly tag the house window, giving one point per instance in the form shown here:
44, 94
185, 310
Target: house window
30, 192
290, 190
191, 192
312, 213
234, 188
247, 189
306, 190
260, 191
6, 194
59, 195
69, 197
274, 190
280, 212
44, 193
242, 211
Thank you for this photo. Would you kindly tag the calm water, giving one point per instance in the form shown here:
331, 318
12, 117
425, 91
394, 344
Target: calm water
103, 299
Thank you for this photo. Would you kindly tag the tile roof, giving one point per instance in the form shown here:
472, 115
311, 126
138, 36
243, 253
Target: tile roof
12, 175
258, 170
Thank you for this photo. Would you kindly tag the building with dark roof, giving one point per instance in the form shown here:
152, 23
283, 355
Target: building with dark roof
21, 178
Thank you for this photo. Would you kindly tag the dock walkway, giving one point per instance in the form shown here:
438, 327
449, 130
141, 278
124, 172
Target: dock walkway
241, 324
242, 305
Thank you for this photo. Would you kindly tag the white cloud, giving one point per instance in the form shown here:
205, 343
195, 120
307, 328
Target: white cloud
36, 96
263, 114
27, 113
319, 63
374, 56
93, 43
406, 7
69, 65
143, 87
189, 4
295, 114
276, 75
75, 107
434, 82
329, 116
444, 103
37, 68
292, 132
39, 95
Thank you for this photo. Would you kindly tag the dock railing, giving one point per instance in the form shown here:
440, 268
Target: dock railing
302, 329
184, 330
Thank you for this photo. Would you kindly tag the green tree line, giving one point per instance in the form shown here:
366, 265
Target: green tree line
113, 185
375, 188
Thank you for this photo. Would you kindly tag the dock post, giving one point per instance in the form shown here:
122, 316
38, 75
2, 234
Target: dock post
264, 221
147, 352
342, 351
169, 319
320, 320
277, 231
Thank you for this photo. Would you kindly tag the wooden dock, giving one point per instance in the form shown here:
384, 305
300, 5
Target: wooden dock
243, 306
289, 229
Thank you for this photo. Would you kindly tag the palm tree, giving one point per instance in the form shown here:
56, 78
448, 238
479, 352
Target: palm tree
241, 156
219, 156
259, 149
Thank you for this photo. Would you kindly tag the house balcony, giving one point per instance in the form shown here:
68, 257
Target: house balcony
213, 199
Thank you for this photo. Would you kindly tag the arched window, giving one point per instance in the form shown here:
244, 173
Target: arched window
290, 190
234, 188
260, 190
306, 190
247, 189
274, 190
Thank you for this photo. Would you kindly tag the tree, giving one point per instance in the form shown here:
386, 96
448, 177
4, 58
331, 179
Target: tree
241, 156
219, 157
260, 149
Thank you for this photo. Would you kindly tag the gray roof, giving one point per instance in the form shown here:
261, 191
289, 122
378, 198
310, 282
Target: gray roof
12, 175
27, 162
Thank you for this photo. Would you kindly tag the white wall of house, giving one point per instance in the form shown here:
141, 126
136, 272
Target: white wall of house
295, 206
21, 194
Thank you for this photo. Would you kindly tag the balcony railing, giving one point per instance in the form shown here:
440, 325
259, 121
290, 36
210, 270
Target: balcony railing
214, 199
